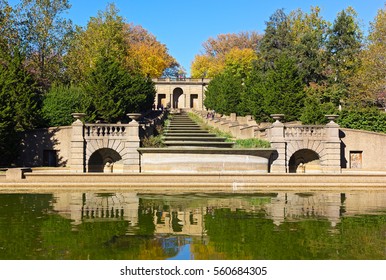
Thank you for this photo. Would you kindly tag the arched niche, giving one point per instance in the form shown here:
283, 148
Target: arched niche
305, 161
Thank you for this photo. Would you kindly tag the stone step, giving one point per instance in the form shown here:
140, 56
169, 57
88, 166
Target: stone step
183, 125
198, 134
183, 128
183, 122
195, 138
186, 131
199, 144
181, 118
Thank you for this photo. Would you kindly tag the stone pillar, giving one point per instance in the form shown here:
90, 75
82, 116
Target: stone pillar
77, 163
131, 160
332, 144
279, 164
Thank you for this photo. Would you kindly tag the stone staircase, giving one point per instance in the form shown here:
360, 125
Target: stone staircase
184, 132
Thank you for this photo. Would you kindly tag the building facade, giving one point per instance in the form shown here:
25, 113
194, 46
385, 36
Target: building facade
180, 93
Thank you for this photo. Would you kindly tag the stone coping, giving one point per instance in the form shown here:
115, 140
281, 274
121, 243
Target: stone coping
197, 182
261, 152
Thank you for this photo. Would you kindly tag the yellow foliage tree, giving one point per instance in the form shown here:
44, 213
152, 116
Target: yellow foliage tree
149, 55
369, 82
226, 50
108, 35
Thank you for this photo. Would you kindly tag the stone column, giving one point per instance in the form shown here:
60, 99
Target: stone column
279, 164
77, 145
331, 158
131, 160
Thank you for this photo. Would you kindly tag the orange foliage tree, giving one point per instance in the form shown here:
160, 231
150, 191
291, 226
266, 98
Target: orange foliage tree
225, 50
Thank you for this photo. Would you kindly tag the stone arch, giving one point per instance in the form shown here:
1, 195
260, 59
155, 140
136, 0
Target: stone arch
103, 160
304, 161
178, 95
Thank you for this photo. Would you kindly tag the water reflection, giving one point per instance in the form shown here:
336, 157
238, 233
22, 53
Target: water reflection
283, 225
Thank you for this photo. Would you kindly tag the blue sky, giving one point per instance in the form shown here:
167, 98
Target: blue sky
184, 25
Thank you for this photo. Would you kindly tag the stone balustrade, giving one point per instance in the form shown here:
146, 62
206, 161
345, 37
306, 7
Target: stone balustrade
100, 131
301, 131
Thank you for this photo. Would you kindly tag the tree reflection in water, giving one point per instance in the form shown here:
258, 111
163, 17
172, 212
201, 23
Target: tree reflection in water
200, 226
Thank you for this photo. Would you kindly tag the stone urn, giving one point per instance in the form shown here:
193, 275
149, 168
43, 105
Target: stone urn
277, 117
134, 116
78, 116
331, 118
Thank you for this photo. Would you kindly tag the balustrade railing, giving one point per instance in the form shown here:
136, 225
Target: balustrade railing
102, 212
181, 79
105, 130
299, 131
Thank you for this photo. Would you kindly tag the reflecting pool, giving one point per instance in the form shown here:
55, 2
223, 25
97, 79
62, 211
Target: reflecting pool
124, 225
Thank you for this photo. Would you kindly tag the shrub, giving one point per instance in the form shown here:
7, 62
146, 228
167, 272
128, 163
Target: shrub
364, 118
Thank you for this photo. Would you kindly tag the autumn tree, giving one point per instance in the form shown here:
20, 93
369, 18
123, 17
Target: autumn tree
46, 36
367, 86
103, 36
216, 51
9, 37
144, 51
108, 35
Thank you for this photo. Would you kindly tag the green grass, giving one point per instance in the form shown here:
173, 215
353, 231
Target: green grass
153, 142
239, 143
252, 143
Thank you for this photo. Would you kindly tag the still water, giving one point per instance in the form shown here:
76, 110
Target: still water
277, 225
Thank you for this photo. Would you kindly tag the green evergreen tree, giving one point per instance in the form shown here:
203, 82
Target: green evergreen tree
19, 107
113, 92
309, 32
253, 96
283, 90
277, 38
60, 101
224, 94
343, 47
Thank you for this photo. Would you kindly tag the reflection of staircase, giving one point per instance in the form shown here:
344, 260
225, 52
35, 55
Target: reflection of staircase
184, 132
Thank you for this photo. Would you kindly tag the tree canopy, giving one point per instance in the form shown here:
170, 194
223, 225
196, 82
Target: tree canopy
224, 50
302, 66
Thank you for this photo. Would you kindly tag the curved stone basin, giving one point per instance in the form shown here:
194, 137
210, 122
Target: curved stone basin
205, 160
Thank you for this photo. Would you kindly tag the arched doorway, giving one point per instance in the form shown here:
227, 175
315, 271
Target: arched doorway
178, 98
103, 160
305, 161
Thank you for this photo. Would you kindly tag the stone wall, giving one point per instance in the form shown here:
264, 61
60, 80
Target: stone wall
362, 150
41, 147
354, 150
205, 160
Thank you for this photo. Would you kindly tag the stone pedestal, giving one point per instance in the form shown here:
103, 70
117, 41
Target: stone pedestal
131, 161
77, 145
15, 174
276, 137
332, 153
